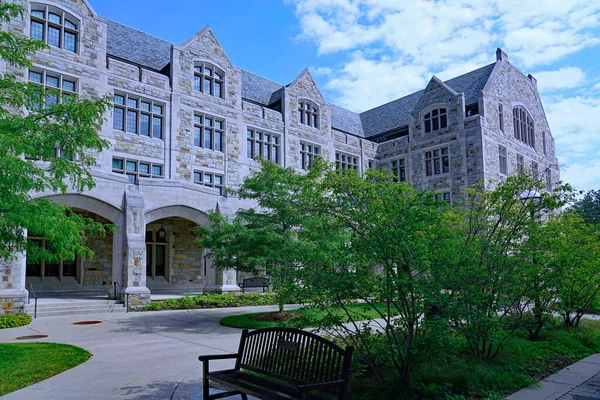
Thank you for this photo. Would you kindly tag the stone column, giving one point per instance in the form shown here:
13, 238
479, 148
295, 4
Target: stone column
221, 281
13, 293
134, 266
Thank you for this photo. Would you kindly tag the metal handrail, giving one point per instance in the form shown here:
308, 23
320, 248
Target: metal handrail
121, 290
32, 293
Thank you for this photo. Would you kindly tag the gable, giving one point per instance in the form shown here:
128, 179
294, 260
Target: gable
305, 86
204, 45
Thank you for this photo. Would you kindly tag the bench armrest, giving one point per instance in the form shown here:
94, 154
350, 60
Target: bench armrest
217, 357
319, 386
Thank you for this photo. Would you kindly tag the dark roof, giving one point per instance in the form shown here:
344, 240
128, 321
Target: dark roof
137, 47
396, 114
346, 121
258, 89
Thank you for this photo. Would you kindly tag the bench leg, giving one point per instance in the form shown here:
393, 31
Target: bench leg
205, 384
244, 396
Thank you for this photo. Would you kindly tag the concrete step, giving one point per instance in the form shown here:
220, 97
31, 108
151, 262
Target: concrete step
55, 307
42, 314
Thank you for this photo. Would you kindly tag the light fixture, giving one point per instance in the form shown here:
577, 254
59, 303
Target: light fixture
162, 234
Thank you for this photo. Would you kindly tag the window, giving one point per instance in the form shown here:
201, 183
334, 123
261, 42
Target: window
345, 162
156, 255
520, 164
135, 169
501, 117
544, 142
138, 115
308, 152
523, 126
435, 120
209, 79
370, 164
54, 26
42, 268
443, 197
399, 170
58, 87
502, 160
209, 179
548, 180
437, 162
208, 132
263, 144
308, 113
534, 169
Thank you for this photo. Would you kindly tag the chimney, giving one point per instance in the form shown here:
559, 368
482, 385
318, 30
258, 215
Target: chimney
501, 56
533, 80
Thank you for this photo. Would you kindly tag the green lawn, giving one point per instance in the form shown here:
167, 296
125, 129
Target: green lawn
310, 315
23, 364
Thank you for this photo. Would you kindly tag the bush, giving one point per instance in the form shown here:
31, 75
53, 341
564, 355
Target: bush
212, 301
14, 320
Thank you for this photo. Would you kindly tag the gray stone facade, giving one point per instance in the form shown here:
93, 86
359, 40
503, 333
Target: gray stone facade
115, 59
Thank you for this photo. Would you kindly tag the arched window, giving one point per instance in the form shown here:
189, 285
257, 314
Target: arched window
523, 126
435, 120
209, 79
308, 113
54, 26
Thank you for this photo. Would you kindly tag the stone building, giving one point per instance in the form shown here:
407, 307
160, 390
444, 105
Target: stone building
187, 122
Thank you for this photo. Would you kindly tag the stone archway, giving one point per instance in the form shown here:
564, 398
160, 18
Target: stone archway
185, 212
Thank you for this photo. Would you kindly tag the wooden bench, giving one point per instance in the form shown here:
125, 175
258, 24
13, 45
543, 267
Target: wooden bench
282, 363
256, 282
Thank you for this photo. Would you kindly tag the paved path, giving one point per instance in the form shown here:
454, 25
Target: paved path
147, 356
580, 381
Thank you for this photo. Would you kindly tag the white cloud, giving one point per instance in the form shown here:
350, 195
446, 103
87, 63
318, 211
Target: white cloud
320, 71
584, 176
596, 86
563, 78
574, 127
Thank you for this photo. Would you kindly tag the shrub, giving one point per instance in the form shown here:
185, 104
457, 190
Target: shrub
14, 320
212, 301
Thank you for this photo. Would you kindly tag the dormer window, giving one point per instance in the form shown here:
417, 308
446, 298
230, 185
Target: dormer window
523, 126
308, 113
209, 79
54, 26
436, 120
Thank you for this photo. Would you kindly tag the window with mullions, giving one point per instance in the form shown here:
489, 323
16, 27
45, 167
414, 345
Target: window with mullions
534, 170
443, 197
138, 115
156, 255
263, 144
437, 162
135, 169
209, 179
435, 120
209, 79
208, 132
308, 152
502, 160
399, 170
54, 26
308, 113
345, 162
520, 164
523, 126
42, 268
58, 86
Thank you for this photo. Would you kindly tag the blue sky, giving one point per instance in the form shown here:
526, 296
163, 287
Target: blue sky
364, 53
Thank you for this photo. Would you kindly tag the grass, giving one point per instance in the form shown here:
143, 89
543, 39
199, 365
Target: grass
23, 364
211, 301
310, 317
14, 320
456, 374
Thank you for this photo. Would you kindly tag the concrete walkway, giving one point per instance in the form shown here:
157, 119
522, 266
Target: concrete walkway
149, 355
580, 381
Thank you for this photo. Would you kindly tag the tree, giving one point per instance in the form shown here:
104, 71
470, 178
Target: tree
37, 126
588, 207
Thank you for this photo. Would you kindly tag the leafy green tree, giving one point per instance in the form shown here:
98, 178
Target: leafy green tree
491, 278
32, 127
588, 207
